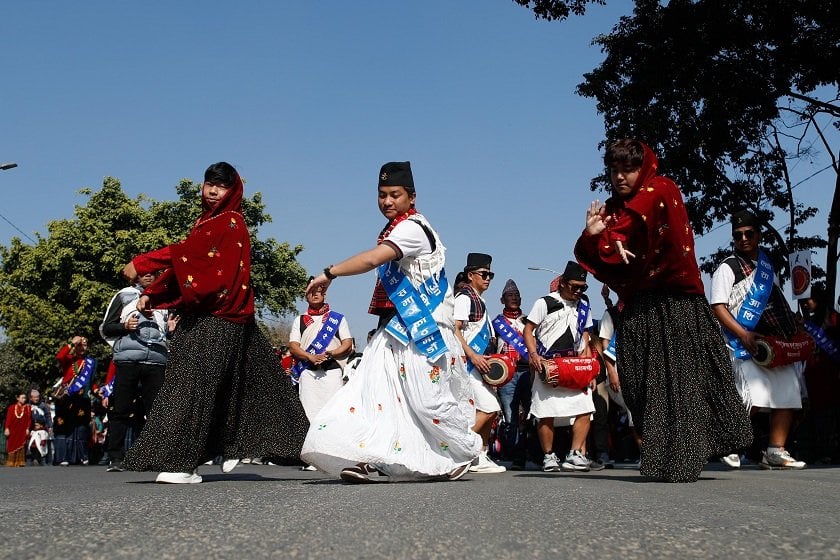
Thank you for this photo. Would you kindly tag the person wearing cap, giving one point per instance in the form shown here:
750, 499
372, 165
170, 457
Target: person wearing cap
748, 302
557, 325
407, 412
320, 342
676, 377
475, 333
514, 395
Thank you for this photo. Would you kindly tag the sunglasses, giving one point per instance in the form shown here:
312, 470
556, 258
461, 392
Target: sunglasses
739, 235
485, 274
578, 287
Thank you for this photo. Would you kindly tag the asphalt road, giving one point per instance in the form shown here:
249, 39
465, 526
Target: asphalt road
270, 511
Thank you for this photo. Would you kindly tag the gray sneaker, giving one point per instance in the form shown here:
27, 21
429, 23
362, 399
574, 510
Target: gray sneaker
779, 460
550, 463
575, 462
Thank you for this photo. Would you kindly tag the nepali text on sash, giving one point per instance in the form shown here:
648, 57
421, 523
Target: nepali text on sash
511, 336
823, 342
414, 321
754, 304
329, 329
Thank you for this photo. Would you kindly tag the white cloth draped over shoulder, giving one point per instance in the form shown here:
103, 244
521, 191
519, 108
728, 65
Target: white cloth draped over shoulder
409, 418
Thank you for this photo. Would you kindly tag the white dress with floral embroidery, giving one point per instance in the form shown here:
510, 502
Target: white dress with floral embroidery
406, 416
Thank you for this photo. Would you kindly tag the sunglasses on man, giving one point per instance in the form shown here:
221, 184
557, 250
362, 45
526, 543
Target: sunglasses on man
485, 274
577, 287
747, 234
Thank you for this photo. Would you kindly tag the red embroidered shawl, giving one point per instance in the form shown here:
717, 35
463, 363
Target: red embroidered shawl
653, 224
210, 270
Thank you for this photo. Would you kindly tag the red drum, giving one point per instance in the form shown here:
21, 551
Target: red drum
570, 372
774, 352
501, 371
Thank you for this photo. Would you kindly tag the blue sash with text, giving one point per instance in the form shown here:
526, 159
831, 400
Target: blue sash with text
754, 304
329, 328
610, 351
582, 317
414, 320
81, 380
825, 344
479, 343
510, 335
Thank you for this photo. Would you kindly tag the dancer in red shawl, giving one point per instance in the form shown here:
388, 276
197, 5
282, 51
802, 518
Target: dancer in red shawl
676, 376
16, 429
221, 394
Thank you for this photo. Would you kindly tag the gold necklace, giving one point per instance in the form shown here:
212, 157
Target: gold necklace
18, 406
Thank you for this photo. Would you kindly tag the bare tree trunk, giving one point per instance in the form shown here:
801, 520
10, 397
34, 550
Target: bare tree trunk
831, 252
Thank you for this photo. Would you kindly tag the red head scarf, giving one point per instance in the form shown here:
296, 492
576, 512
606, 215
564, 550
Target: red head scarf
211, 268
652, 223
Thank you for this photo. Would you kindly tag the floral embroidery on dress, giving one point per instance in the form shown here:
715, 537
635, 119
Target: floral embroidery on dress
435, 421
402, 370
444, 446
321, 426
434, 375
214, 253
361, 445
189, 283
183, 259
397, 447
379, 407
233, 223
352, 410
472, 402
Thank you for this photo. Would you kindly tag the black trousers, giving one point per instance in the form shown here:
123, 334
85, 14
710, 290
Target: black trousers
133, 381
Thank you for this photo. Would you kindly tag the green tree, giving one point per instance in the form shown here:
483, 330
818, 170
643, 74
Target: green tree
61, 285
557, 9
731, 94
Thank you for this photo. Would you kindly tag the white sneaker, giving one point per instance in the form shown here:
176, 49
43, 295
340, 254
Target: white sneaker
486, 465
178, 478
732, 461
779, 460
550, 463
229, 465
575, 462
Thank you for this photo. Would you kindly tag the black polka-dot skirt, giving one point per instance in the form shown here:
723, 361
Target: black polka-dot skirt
676, 378
223, 394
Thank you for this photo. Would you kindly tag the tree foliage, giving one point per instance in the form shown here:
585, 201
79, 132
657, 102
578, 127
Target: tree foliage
731, 94
60, 286
557, 9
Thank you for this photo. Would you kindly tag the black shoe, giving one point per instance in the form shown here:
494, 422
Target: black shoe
361, 474
595, 465
458, 472
115, 467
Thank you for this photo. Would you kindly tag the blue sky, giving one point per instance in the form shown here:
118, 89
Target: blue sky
307, 100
